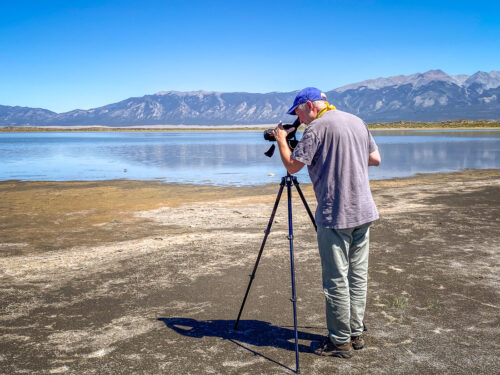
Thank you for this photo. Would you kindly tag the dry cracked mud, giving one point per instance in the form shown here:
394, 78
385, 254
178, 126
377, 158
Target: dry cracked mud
129, 277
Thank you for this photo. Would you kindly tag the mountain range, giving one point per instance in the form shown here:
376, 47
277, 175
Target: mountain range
429, 96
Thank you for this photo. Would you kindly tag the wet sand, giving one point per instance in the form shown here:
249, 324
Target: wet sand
128, 277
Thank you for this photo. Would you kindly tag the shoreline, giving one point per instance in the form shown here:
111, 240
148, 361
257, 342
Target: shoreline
483, 171
46, 210
218, 129
399, 125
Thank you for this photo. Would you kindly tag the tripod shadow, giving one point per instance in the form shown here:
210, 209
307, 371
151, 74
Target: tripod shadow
252, 332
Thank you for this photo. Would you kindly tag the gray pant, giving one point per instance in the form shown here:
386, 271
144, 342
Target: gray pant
344, 264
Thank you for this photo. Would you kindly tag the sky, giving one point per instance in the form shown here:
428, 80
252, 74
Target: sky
64, 55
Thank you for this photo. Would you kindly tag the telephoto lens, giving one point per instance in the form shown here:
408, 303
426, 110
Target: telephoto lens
291, 129
268, 135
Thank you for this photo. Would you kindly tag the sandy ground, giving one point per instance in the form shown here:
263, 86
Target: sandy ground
127, 277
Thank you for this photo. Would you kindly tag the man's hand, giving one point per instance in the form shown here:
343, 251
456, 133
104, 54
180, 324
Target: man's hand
280, 133
291, 165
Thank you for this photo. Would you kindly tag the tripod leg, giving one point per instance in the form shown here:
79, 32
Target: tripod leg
294, 298
311, 216
267, 231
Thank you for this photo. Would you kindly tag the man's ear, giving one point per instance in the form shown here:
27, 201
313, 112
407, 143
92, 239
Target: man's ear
310, 105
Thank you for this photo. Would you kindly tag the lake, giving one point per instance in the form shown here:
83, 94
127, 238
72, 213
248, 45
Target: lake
222, 157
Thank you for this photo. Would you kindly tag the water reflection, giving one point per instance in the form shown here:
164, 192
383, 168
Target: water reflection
191, 156
406, 159
222, 158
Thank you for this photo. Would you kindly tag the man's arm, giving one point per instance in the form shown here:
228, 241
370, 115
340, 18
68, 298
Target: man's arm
374, 158
291, 165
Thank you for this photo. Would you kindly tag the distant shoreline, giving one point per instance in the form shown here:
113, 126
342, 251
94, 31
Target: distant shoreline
399, 125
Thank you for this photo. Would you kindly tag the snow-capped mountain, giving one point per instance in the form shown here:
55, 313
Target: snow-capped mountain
429, 96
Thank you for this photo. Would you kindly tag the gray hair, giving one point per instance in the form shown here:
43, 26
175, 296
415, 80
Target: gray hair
318, 104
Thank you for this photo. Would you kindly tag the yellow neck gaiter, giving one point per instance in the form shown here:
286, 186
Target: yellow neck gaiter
329, 107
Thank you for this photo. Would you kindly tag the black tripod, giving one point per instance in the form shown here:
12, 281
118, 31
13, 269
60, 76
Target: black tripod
288, 180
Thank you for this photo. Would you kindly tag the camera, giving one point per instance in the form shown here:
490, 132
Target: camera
291, 139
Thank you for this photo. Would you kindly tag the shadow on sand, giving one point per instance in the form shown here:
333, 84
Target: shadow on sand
252, 332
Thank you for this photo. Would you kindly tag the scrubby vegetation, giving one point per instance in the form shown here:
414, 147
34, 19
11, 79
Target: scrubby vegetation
452, 124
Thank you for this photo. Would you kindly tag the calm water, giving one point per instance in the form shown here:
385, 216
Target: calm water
222, 158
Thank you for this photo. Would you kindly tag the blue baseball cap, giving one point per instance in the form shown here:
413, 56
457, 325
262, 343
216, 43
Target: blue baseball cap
309, 93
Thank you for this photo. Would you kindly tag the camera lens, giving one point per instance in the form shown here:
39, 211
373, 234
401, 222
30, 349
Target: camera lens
268, 136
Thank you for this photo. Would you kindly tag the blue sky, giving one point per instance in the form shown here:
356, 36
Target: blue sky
63, 55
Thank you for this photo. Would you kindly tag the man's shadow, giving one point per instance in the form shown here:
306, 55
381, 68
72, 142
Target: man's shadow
253, 332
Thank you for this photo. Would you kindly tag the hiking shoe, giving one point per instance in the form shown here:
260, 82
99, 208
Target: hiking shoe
357, 342
328, 348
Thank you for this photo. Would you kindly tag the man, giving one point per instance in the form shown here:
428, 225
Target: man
337, 148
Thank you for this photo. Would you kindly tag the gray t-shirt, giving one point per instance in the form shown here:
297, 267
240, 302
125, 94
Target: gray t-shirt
336, 149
